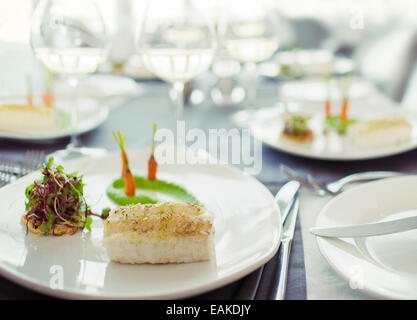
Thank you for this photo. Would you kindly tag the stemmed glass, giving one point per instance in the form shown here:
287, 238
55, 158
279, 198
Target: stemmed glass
250, 35
176, 43
69, 38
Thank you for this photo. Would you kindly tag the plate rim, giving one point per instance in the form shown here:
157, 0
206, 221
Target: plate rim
184, 293
321, 242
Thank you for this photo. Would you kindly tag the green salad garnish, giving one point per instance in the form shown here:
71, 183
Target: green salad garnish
55, 203
339, 125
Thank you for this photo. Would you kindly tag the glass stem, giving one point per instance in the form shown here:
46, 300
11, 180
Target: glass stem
179, 90
73, 82
251, 89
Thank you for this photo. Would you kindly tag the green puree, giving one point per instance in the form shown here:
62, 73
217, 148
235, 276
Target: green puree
116, 191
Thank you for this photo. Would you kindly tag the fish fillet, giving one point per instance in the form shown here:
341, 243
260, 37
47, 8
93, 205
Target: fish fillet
169, 232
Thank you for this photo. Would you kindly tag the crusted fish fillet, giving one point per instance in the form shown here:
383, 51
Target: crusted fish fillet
169, 232
26, 118
380, 133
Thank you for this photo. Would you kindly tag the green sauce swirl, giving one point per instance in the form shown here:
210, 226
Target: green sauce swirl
116, 193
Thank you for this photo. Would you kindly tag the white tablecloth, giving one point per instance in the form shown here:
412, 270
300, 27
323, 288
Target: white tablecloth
322, 280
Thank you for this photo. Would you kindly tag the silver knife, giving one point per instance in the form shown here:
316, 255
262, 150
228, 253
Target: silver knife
286, 240
285, 198
367, 229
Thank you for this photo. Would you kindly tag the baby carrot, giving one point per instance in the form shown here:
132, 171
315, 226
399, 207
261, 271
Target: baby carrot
344, 83
130, 186
152, 167
343, 114
48, 99
327, 106
124, 163
152, 164
29, 90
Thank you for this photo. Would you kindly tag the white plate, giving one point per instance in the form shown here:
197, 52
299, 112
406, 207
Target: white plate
91, 114
267, 124
383, 266
318, 68
246, 219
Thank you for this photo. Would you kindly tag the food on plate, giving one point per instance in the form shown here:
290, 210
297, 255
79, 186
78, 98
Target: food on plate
29, 90
14, 117
130, 188
55, 204
115, 192
48, 98
296, 128
343, 113
340, 123
327, 105
169, 232
298, 62
152, 164
380, 133
335, 123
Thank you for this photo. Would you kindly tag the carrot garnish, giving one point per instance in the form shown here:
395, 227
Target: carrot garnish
29, 90
48, 99
152, 164
345, 84
130, 186
343, 114
327, 104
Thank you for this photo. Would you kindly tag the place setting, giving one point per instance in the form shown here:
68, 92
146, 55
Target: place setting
117, 184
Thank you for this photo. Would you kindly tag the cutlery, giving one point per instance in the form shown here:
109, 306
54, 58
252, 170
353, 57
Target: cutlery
10, 169
31, 161
7, 173
9, 166
367, 229
335, 187
289, 207
285, 198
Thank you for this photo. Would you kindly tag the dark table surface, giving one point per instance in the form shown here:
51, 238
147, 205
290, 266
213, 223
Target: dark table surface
135, 119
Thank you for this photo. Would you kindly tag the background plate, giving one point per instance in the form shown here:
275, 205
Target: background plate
267, 124
91, 114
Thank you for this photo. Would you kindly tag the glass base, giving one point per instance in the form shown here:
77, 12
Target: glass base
72, 153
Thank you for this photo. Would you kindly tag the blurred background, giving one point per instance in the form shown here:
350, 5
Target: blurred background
376, 38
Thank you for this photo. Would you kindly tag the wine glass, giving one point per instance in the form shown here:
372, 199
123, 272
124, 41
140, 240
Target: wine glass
250, 35
69, 38
176, 43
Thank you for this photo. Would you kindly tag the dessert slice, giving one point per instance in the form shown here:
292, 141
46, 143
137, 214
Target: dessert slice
170, 232
380, 133
26, 118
